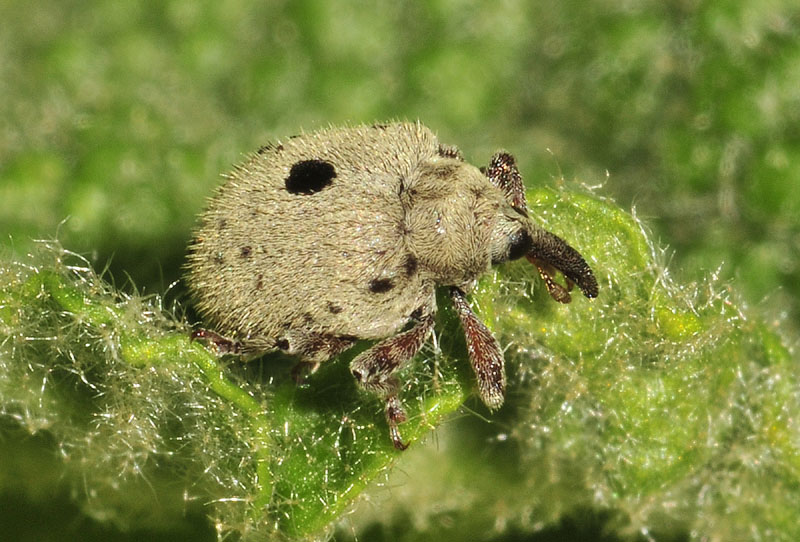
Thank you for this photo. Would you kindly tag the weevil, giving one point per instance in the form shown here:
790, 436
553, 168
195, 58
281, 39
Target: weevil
344, 234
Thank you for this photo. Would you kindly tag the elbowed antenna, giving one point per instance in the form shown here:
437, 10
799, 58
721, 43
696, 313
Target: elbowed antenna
550, 253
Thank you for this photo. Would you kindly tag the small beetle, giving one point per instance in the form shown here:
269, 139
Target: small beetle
343, 234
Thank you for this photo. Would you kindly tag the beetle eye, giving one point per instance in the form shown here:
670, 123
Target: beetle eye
519, 244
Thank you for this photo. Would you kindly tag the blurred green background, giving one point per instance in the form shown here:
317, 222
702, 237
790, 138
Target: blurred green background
119, 117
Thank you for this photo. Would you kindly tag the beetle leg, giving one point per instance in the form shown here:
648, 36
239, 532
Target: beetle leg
314, 347
484, 353
374, 370
222, 345
504, 174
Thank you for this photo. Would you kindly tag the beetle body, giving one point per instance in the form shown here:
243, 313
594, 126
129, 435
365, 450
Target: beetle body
344, 234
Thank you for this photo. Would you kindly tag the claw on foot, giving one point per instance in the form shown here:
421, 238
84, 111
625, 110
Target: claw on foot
394, 416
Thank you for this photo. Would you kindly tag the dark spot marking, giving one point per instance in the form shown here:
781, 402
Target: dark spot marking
410, 265
222, 223
416, 314
283, 344
380, 286
334, 309
246, 252
449, 151
309, 176
219, 258
260, 282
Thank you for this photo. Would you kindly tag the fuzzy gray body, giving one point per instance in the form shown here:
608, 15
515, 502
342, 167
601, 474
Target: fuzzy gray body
298, 271
344, 234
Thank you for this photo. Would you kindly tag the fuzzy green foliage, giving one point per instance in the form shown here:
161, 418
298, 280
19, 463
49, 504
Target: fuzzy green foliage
144, 418
120, 116
667, 404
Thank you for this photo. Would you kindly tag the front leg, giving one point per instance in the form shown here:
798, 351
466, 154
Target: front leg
484, 353
374, 370
504, 174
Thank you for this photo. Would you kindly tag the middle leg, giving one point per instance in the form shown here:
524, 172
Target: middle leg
374, 370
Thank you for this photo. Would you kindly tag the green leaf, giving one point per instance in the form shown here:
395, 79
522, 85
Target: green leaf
656, 399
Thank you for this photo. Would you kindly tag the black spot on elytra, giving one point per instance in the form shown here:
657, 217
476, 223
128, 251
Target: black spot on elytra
309, 176
410, 265
416, 314
334, 309
219, 258
260, 282
246, 252
380, 286
283, 344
